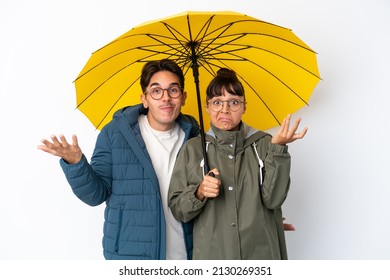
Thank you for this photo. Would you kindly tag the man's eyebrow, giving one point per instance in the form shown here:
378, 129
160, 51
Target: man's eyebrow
171, 84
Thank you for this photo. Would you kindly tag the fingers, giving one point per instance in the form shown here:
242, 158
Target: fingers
210, 185
294, 127
61, 142
288, 227
286, 134
285, 125
293, 134
60, 147
301, 134
214, 171
56, 143
74, 140
45, 148
282, 134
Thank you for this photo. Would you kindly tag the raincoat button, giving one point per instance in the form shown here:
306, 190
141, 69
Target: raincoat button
230, 188
231, 146
233, 225
231, 157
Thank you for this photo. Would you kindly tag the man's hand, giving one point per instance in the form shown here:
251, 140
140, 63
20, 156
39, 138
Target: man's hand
71, 153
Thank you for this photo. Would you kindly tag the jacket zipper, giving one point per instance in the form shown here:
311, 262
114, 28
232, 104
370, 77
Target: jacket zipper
119, 230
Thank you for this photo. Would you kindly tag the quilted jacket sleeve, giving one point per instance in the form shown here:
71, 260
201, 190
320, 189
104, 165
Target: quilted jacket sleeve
91, 183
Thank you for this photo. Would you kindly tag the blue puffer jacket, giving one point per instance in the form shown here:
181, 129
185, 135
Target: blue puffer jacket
122, 175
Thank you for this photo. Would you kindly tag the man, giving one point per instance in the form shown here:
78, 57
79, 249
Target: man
131, 166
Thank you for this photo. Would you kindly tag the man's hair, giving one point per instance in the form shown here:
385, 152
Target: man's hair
152, 67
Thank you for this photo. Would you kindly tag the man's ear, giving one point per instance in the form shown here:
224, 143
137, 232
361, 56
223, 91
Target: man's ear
144, 101
183, 99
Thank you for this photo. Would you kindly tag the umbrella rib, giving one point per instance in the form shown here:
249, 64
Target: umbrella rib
238, 36
231, 24
262, 100
210, 71
225, 28
240, 58
243, 47
128, 50
241, 35
182, 51
277, 78
112, 107
105, 81
246, 82
103, 61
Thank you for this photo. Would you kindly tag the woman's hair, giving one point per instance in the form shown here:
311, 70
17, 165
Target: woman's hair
152, 67
225, 79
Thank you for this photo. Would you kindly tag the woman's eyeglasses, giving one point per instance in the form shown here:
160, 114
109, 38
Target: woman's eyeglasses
217, 105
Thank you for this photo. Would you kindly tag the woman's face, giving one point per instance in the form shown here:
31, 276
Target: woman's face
227, 118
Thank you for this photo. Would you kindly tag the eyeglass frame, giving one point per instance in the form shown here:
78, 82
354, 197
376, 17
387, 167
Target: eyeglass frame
163, 90
227, 101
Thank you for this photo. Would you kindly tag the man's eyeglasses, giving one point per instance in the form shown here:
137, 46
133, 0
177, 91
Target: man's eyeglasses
158, 92
217, 105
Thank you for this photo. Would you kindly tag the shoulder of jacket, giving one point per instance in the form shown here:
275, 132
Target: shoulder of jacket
258, 137
188, 122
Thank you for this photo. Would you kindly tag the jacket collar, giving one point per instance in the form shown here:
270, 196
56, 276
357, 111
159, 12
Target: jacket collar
242, 137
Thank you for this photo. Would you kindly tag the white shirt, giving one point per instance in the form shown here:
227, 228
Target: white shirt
163, 147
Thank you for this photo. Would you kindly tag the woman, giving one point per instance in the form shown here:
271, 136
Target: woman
236, 211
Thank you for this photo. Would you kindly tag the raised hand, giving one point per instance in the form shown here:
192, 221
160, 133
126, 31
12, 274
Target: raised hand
286, 135
71, 153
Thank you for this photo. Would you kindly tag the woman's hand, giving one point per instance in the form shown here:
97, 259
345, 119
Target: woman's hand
209, 186
286, 135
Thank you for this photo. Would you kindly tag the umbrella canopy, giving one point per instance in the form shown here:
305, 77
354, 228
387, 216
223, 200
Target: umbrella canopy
277, 69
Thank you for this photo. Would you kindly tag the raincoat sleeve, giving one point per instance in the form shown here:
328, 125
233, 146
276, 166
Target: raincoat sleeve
90, 182
277, 176
184, 183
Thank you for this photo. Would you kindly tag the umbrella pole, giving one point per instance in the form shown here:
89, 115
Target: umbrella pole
195, 71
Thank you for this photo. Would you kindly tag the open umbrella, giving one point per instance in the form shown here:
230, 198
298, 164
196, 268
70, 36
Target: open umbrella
278, 70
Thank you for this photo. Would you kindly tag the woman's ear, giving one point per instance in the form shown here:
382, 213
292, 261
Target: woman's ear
207, 107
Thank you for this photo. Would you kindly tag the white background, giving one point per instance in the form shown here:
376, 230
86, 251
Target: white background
339, 197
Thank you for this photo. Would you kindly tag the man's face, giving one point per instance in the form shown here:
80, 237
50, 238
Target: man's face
163, 112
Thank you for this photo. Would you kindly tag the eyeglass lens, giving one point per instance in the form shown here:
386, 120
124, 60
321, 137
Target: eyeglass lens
234, 105
158, 92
